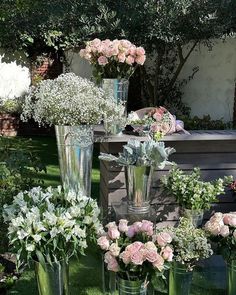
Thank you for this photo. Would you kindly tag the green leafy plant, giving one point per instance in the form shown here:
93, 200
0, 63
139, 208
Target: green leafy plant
189, 243
190, 191
148, 153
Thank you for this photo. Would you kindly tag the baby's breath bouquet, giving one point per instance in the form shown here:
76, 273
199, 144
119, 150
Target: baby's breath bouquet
50, 225
70, 100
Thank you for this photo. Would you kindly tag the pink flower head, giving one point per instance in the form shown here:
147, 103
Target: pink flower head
151, 255
140, 59
102, 60
103, 242
121, 57
95, 43
113, 233
137, 226
82, 53
140, 51
230, 219
147, 227
132, 50
131, 231
125, 256
224, 231
129, 60
125, 43
150, 246
111, 261
111, 224
159, 263
215, 223
123, 225
114, 249
167, 253
137, 258
135, 247
163, 239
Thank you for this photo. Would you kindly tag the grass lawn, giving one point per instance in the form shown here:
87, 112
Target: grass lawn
85, 273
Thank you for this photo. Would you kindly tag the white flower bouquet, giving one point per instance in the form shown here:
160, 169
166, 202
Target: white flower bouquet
70, 100
50, 225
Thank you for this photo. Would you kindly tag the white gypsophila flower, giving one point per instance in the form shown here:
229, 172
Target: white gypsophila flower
70, 100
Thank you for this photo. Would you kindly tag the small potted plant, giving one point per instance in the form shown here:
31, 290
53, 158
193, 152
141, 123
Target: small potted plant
193, 194
222, 231
9, 116
135, 254
139, 160
190, 244
50, 226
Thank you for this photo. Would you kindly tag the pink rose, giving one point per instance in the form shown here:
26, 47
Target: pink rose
137, 226
137, 258
132, 50
147, 226
159, 263
103, 242
111, 224
163, 239
82, 53
125, 256
140, 51
113, 233
96, 42
123, 225
140, 59
151, 256
102, 60
167, 253
108, 257
121, 57
111, 261
150, 246
131, 231
224, 231
114, 249
129, 60
87, 56
125, 43
136, 246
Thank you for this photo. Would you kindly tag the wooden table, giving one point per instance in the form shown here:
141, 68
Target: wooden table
213, 151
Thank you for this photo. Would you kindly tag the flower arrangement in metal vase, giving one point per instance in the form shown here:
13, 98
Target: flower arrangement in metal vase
70, 100
222, 230
50, 225
134, 251
190, 244
113, 59
148, 153
191, 191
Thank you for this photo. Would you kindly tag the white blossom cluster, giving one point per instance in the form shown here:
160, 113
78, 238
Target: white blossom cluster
50, 225
70, 100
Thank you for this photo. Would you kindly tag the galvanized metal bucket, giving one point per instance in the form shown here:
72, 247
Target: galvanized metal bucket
180, 280
75, 150
138, 185
52, 279
231, 272
126, 287
118, 89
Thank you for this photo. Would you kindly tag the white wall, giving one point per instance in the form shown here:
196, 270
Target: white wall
14, 79
212, 89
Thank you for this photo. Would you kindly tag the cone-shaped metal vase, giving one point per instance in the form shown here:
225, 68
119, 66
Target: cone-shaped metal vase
118, 89
138, 185
75, 150
52, 279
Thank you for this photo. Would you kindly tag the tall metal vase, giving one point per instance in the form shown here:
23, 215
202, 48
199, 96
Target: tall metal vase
75, 150
138, 185
126, 287
52, 279
180, 280
231, 272
117, 88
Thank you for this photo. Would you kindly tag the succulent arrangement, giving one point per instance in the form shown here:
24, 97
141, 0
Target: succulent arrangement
148, 153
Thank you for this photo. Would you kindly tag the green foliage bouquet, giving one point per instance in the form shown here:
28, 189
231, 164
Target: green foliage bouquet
148, 153
50, 225
190, 191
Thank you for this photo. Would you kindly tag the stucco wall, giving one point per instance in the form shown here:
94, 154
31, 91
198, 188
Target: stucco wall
212, 89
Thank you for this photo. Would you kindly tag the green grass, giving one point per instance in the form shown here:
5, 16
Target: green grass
85, 273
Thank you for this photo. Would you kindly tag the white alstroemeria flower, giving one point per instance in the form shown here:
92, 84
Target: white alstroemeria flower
18, 221
54, 232
83, 244
30, 247
87, 220
21, 234
50, 218
78, 231
71, 196
74, 211
37, 238
38, 226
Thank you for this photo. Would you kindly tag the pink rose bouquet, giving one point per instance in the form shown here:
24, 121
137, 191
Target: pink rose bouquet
134, 251
113, 59
222, 230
